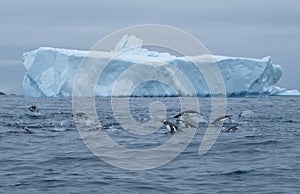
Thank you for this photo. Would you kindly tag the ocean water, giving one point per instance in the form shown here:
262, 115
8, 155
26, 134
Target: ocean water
262, 156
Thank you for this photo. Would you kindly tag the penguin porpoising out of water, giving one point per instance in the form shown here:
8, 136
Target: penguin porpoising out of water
233, 128
33, 108
187, 113
221, 119
186, 124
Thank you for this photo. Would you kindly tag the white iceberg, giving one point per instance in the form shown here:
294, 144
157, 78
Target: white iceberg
285, 92
50, 72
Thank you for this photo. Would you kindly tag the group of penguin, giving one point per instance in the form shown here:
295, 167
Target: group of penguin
186, 124
34, 110
171, 127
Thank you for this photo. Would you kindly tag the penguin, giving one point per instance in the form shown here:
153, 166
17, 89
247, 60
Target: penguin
221, 119
33, 108
233, 128
26, 130
186, 124
187, 113
170, 126
80, 115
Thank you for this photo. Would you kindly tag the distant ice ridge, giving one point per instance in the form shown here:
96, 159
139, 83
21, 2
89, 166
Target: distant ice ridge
50, 72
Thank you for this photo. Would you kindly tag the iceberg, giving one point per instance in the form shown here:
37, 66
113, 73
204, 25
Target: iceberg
285, 92
50, 72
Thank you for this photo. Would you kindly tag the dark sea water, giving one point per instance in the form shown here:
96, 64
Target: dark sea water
262, 156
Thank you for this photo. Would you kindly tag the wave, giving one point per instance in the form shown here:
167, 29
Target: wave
266, 142
237, 172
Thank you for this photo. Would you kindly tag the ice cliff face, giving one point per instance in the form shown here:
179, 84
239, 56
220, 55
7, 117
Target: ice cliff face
50, 72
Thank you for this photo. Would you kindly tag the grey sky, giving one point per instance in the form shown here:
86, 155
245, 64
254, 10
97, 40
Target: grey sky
252, 28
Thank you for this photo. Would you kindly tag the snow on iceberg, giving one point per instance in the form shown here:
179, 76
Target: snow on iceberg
50, 72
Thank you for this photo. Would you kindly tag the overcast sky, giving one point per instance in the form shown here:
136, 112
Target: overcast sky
252, 28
